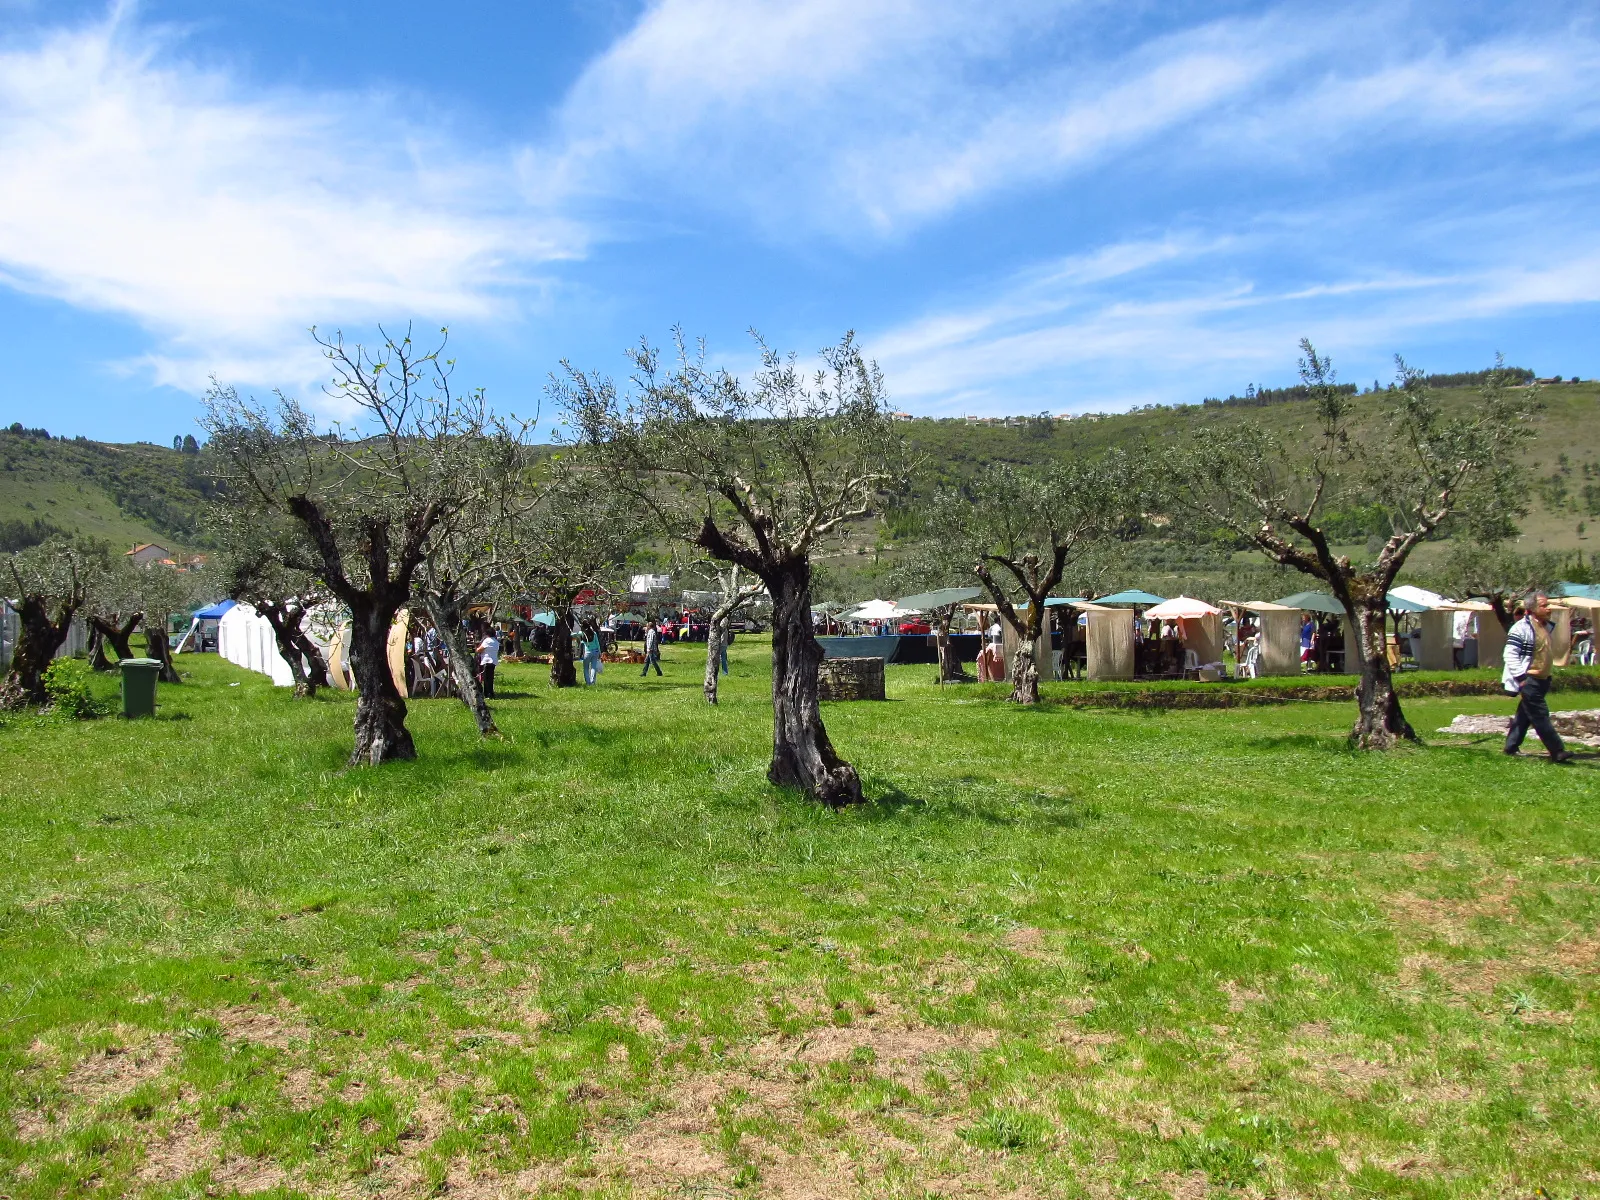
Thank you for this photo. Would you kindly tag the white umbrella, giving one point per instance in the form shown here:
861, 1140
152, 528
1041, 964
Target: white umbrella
873, 610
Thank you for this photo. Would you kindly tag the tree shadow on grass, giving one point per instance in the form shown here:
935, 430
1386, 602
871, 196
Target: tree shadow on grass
969, 798
1331, 743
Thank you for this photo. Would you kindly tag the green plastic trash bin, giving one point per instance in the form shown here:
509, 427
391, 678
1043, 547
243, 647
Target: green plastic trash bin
139, 686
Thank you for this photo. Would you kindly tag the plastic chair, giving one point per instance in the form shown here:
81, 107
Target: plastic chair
1252, 654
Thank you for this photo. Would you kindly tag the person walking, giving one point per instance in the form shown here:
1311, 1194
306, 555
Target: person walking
488, 659
591, 657
1528, 658
652, 649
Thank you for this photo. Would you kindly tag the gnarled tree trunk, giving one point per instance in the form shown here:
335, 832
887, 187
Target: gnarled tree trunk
1379, 721
716, 637
381, 733
802, 755
159, 647
119, 635
562, 673
97, 650
37, 643
285, 631
949, 664
446, 616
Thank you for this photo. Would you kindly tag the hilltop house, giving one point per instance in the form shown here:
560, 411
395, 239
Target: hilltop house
149, 552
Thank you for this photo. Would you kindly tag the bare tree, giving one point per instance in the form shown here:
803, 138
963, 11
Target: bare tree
368, 500
52, 582
758, 477
1019, 530
1412, 458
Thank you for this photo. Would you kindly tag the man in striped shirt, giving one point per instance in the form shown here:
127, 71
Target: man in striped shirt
1528, 660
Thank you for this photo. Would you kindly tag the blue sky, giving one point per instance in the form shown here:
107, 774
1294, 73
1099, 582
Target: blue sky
1019, 206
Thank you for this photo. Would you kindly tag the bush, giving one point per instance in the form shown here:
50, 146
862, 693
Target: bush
67, 682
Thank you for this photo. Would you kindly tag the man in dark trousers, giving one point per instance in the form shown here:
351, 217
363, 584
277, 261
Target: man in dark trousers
652, 649
488, 660
1528, 661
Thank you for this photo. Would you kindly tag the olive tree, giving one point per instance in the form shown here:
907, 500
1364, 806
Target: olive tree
368, 497
1498, 574
1417, 461
760, 476
1020, 530
51, 582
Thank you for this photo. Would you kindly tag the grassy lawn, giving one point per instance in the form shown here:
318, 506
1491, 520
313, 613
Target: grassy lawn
1061, 952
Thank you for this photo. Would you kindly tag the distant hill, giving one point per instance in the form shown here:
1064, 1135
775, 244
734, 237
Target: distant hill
124, 494
136, 493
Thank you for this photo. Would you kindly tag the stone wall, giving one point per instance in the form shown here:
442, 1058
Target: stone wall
850, 679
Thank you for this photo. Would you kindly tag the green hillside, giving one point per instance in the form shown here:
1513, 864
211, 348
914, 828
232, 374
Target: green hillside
141, 492
124, 494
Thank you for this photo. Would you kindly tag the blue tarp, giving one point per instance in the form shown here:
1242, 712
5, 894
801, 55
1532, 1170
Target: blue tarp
214, 613
1591, 590
861, 647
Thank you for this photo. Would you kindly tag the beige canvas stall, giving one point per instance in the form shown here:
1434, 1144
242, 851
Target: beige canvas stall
1203, 635
1109, 635
1561, 638
1491, 637
1279, 652
1011, 638
1434, 649
397, 651
338, 653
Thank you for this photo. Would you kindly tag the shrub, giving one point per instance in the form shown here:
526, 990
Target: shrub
67, 682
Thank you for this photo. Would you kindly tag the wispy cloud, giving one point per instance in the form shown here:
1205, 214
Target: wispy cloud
1169, 329
876, 116
225, 224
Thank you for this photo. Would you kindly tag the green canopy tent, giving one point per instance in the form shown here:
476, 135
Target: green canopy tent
1131, 596
1319, 602
940, 605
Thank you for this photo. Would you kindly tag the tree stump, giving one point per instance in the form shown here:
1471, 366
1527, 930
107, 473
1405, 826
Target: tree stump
850, 679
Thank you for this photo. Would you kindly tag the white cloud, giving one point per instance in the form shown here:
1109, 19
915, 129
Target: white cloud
854, 117
1048, 338
225, 225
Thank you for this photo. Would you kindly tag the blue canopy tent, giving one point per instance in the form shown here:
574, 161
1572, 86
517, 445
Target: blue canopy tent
214, 612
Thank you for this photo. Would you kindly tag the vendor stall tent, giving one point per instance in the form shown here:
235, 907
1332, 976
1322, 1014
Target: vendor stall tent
1109, 641
191, 640
1278, 639
245, 638
1199, 628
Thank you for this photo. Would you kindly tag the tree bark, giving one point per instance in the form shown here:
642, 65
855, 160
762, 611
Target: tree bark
97, 650
1024, 670
1379, 722
716, 635
949, 665
159, 647
446, 615
37, 643
316, 666
562, 673
381, 733
119, 635
285, 631
1502, 613
802, 754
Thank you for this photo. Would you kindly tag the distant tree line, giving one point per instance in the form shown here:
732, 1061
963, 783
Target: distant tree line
1255, 397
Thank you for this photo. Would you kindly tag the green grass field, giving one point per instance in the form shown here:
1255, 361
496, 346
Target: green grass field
1060, 952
